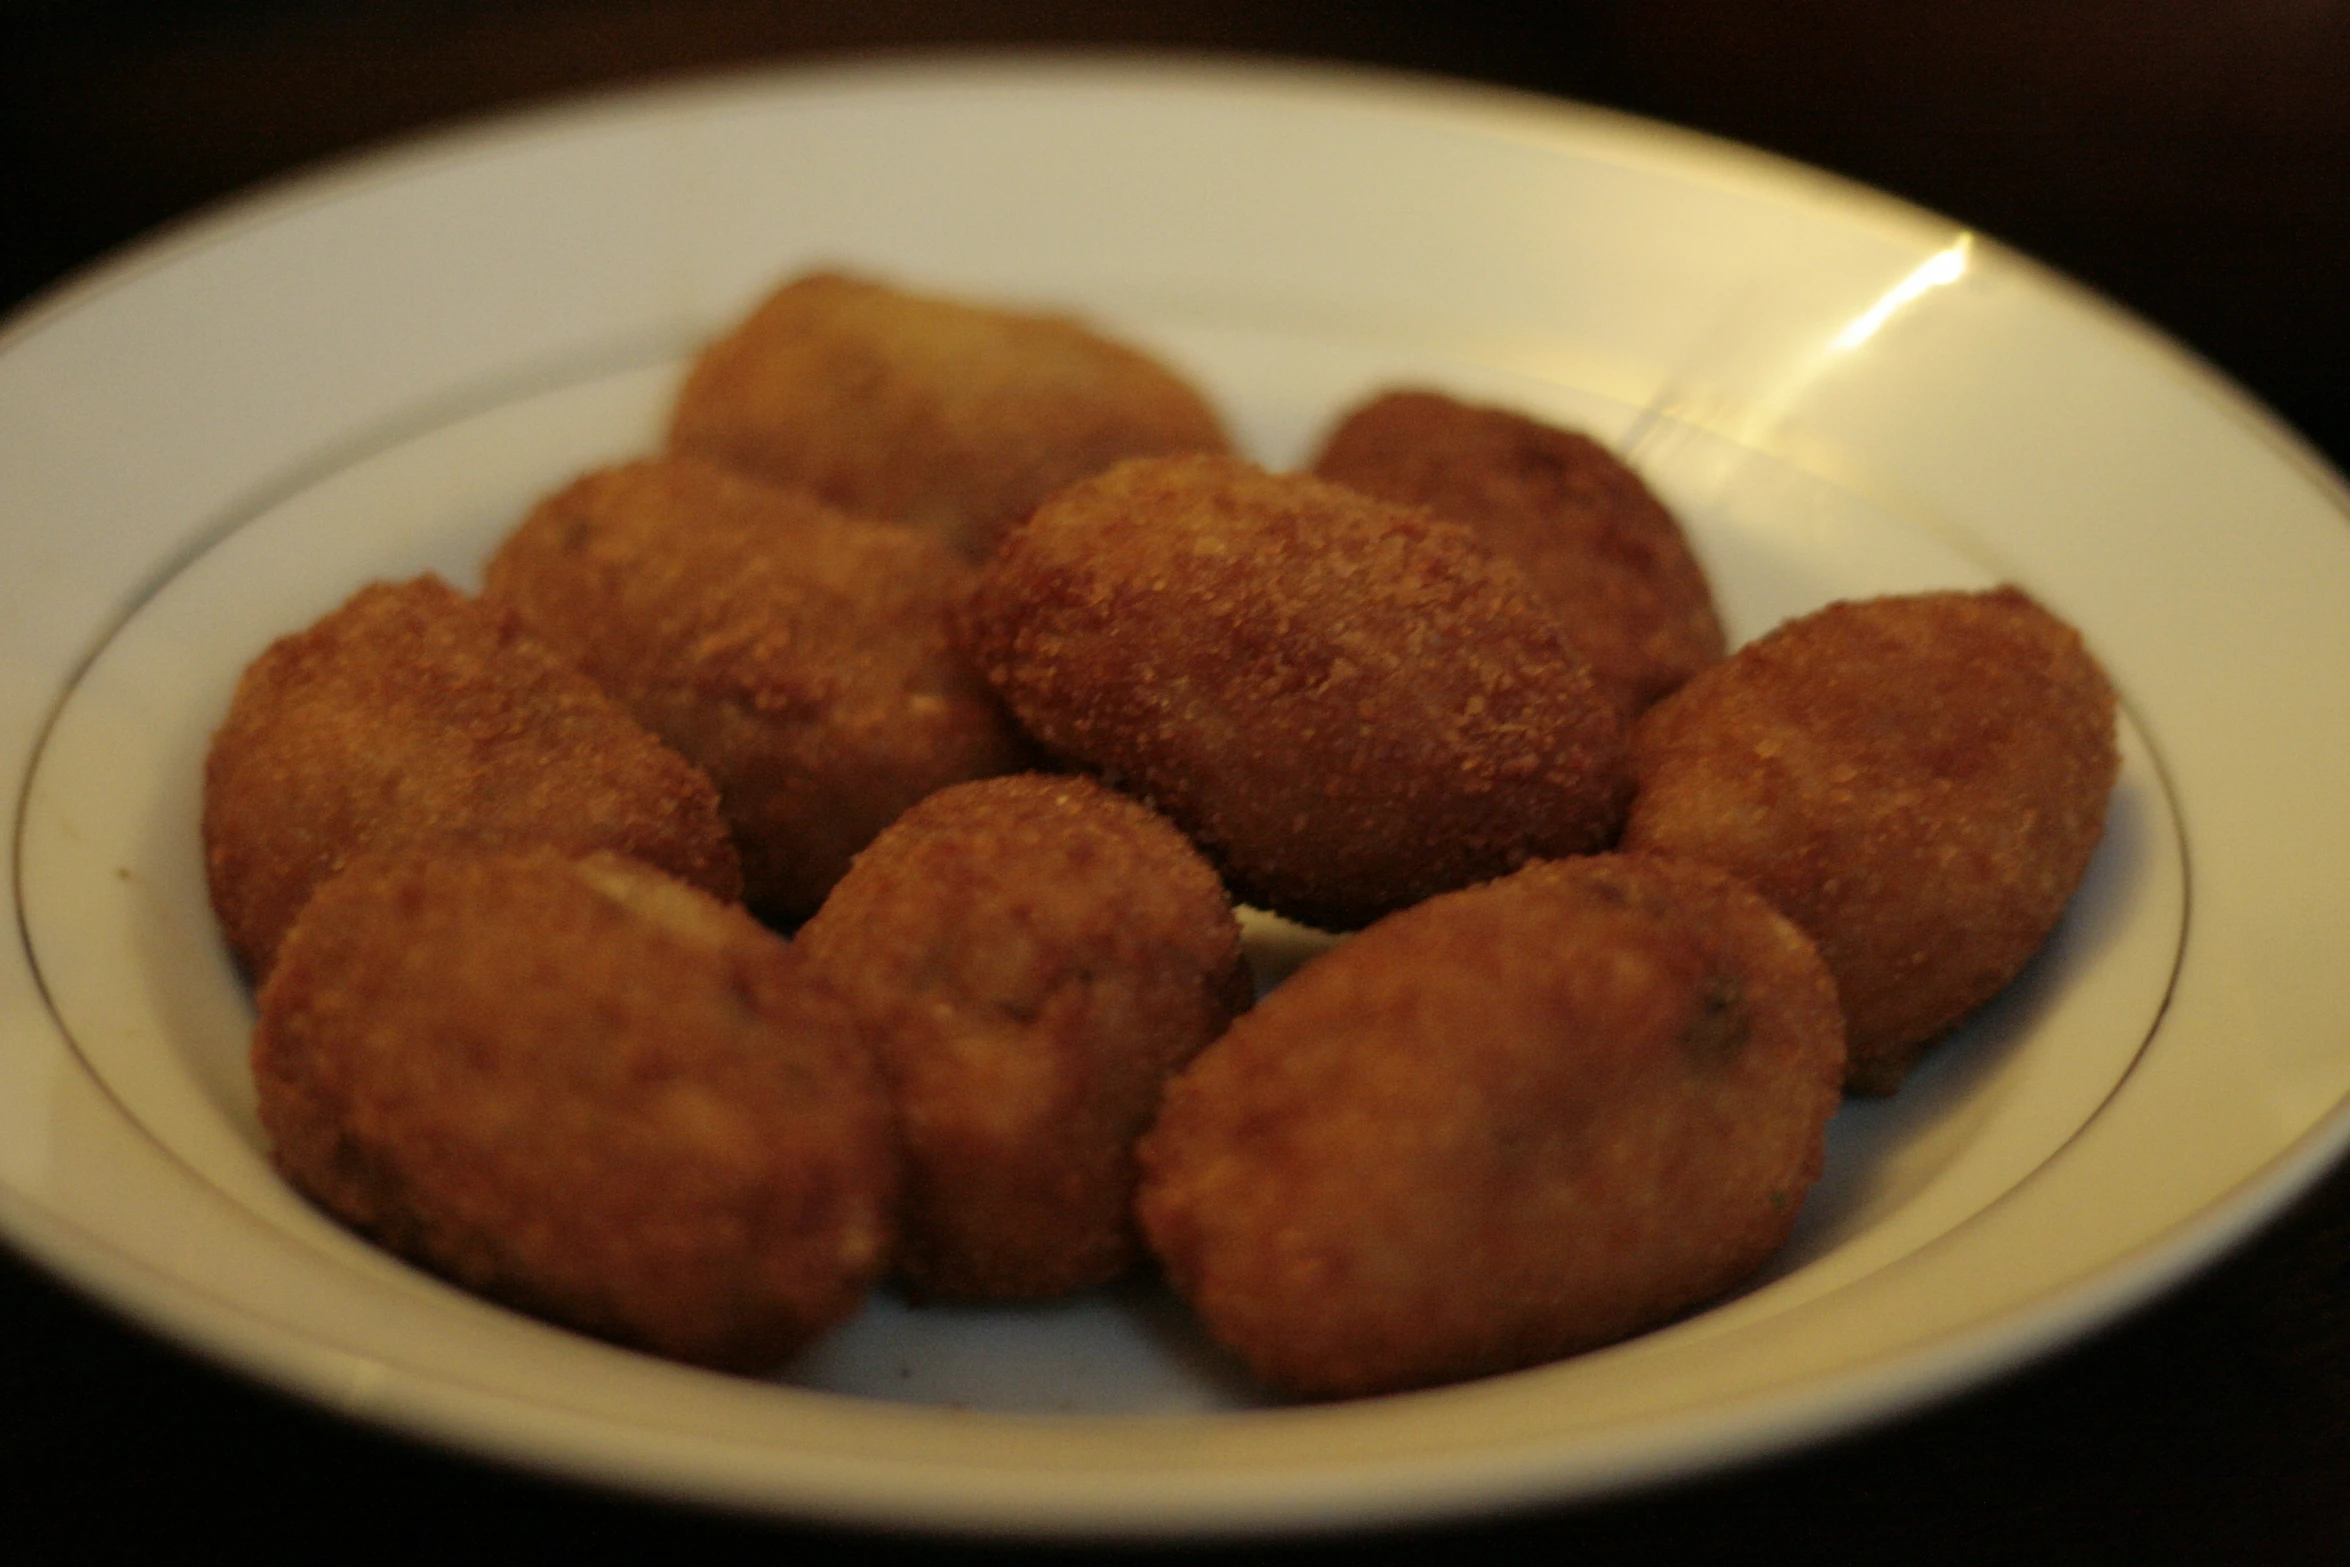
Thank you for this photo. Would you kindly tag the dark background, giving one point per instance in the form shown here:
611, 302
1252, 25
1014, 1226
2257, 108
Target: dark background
2191, 160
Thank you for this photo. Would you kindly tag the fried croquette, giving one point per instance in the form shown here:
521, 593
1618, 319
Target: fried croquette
1918, 781
953, 417
1598, 546
1349, 705
1031, 957
1512, 1123
799, 654
584, 1089
413, 714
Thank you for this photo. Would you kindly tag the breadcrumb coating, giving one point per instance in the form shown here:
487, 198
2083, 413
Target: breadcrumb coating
583, 1089
1596, 543
413, 714
1032, 957
799, 654
1919, 781
953, 417
1511, 1123
1348, 705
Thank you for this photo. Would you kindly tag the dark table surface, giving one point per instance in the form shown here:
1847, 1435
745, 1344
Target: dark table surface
2191, 158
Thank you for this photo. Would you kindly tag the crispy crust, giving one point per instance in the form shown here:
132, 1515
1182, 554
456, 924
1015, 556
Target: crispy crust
953, 417
586, 1090
1919, 781
414, 714
1509, 1124
799, 654
1032, 957
1349, 705
1597, 545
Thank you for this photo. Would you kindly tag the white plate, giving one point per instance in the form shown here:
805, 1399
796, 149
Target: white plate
374, 370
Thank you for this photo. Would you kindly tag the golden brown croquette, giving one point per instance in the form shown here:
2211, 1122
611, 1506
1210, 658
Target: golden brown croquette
1598, 546
954, 417
799, 654
1349, 705
1032, 957
585, 1089
1509, 1124
413, 714
1919, 781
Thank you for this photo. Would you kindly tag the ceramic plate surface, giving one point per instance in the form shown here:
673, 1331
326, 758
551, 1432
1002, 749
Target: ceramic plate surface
375, 370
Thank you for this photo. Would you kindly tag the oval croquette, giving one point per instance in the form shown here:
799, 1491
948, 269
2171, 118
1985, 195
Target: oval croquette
1348, 705
1919, 781
1598, 546
414, 714
584, 1089
1032, 957
801, 655
1511, 1123
952, 417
